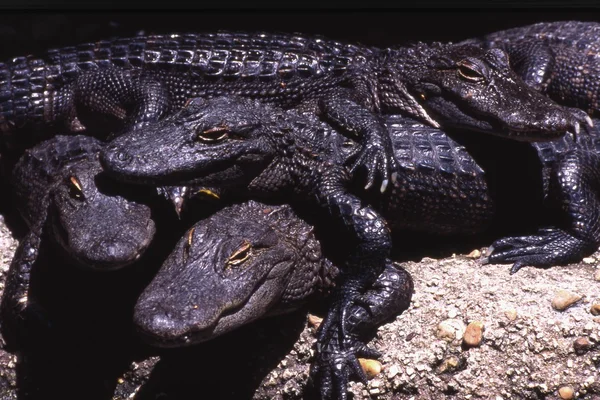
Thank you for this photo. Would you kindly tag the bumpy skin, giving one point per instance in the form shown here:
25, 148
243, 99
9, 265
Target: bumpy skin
133, 81
250, 261
439, 186
59, 184
571, 179
265, 153
245, 262
560, 59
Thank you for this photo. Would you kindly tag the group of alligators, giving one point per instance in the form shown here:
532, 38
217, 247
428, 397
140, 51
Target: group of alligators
293, 135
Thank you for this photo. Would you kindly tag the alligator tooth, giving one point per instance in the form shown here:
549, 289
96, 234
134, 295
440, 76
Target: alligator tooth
577, 128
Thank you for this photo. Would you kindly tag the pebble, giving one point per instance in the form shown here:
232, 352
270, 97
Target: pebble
511, 314
595, 309
371, 367
564, 299
474, 334
474, 254
566, 393
450, 329
597, 275
589, 260
448, 365
581, 345
393, 371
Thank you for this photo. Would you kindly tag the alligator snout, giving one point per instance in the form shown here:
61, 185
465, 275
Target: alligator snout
115, 157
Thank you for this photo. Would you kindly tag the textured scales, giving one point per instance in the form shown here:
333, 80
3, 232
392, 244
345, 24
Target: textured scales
249, 261
561, 59
60, 190
113, 85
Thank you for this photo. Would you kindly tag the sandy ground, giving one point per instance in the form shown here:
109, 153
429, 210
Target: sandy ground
529, 350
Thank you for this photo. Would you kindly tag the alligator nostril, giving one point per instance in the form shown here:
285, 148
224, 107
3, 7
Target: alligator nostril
121, 156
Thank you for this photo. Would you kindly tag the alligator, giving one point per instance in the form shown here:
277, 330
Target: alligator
117, 85
250, 149
248, 261
61, 192
560, 59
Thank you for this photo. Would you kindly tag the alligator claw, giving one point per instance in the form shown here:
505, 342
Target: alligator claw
547, 248
589, 121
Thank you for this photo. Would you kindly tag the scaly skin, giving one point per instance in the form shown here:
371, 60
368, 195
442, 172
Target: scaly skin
273, 154
560, 59
250, 261
60, 189
440, 186
128, 82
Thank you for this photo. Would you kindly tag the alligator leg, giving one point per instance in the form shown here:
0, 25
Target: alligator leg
131, 101
16, 306
376, 151
575, 189
388, 297
371, 244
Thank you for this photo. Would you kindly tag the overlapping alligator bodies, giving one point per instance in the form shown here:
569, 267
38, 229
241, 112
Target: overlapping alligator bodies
61, 191
466, 88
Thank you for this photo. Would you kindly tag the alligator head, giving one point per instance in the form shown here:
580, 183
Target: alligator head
465, 86
222, 141
93, 220
244, 262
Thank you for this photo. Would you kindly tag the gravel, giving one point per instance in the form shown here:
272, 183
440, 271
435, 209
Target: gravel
528, 349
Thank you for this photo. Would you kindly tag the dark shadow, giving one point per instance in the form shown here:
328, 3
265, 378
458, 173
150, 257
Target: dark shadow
233, 365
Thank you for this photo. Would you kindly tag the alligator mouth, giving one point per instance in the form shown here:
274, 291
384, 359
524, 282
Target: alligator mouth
192, 335
99, 264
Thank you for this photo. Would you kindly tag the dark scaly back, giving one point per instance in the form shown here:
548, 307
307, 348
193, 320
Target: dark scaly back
28, 84
560, 58
440, 187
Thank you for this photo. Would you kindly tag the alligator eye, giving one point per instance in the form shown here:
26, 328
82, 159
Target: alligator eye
212, 135
188, 244
240, 255
466, 71
75, 188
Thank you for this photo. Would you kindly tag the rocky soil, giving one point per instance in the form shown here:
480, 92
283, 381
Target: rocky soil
472, 332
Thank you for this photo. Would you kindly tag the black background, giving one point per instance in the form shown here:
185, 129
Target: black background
30, 32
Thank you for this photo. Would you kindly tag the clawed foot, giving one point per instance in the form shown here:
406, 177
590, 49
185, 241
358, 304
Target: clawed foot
338, 349
333, 367
549, 247
377, 161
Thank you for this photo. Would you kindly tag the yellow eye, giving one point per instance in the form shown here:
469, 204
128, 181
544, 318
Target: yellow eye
240, 255
76, 190
214, 134
467, 72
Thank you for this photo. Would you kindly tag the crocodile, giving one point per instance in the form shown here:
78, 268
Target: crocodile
248, 261
559, 59
61, 192
117, 85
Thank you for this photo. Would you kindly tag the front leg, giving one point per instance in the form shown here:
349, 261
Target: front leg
116, 98
16, 309
376, 153
389, 296
575, 188
370, 244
